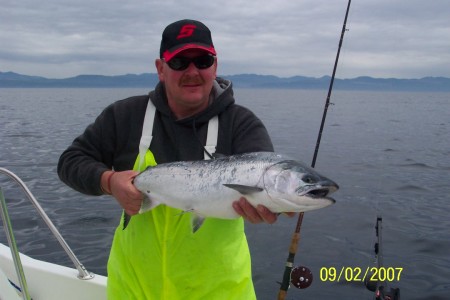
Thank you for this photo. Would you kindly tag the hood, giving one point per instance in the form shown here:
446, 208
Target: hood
222, 97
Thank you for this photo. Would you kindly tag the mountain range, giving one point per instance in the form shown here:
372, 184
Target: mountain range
438, 84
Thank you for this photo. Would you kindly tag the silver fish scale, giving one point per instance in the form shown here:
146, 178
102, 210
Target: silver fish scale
199, 186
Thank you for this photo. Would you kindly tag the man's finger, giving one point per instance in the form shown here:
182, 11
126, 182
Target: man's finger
266, 215
252, 214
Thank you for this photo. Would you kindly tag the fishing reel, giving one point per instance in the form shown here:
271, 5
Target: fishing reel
301, 277
393, 294
382, 292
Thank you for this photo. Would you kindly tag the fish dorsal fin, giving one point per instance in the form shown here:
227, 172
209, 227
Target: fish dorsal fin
244, 189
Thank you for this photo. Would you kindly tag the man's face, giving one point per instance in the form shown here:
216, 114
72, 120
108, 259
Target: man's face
187, 90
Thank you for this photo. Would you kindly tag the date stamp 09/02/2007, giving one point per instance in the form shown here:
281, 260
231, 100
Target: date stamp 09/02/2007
348, 274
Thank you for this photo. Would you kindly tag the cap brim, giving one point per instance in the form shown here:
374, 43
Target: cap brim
168, 55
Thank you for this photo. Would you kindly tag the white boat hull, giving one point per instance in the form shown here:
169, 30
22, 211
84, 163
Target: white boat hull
47, 281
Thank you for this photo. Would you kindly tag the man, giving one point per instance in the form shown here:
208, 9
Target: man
155, 255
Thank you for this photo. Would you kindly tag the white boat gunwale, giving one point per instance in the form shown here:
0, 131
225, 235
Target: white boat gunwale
22, 277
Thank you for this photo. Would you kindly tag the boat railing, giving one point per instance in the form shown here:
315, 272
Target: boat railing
82, 272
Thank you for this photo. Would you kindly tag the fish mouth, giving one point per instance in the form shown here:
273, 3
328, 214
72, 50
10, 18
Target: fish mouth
322, 194
322, 190
318, 193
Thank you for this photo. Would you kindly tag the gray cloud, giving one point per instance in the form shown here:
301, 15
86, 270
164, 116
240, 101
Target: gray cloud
386, 38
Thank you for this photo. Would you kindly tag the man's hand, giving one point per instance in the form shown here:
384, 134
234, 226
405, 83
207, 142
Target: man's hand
257, 214
122, 188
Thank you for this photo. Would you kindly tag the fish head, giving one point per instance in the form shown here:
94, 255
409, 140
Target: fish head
293, 186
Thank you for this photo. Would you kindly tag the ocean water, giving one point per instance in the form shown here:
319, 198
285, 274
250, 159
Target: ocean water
389, 152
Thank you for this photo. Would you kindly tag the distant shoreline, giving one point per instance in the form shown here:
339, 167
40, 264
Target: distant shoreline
149, 80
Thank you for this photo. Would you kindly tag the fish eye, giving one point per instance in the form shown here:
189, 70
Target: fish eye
309, 179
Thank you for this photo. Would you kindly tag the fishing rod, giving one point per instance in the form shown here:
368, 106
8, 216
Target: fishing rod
376, 283
301, 277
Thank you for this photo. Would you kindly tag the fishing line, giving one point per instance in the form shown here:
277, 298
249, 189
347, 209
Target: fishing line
303, 277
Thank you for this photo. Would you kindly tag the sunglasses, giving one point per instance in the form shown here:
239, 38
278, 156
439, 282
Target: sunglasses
180, 63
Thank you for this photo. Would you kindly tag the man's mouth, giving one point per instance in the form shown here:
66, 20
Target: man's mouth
191, 84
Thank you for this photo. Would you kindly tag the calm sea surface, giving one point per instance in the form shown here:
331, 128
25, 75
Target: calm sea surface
389, 152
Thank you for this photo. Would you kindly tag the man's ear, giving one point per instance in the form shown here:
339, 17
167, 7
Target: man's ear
215, 67
159, 64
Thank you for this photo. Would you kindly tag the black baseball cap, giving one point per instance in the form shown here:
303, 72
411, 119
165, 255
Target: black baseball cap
185, 34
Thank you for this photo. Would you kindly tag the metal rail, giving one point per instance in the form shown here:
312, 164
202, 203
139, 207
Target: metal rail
82, 272
13, 247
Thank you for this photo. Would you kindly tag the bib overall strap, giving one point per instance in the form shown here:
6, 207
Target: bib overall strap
147, 133
211, 139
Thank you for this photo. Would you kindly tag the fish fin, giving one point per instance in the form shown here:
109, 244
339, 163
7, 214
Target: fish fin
197, 222
185, 211
244, 189
218, 155
148, 204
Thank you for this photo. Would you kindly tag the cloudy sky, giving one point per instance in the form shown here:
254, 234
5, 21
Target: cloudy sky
386, 38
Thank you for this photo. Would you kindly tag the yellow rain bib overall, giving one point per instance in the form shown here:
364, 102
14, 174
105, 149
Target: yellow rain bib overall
157, 256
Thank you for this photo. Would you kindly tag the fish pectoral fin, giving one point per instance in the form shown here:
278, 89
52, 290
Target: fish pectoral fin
148, 204
244, 189
197, 222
